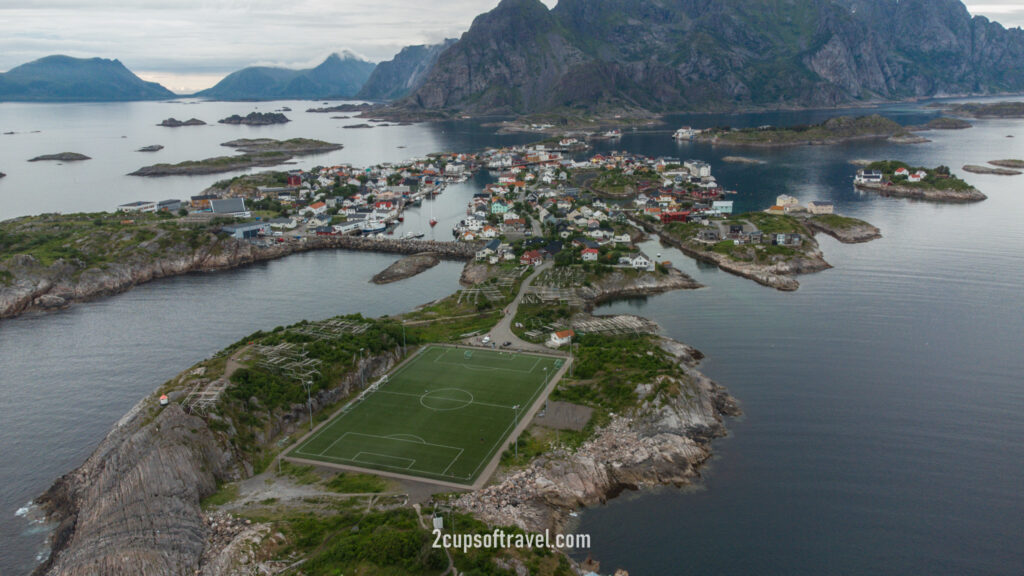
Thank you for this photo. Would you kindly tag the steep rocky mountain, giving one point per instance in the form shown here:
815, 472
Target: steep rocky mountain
339, 76
719, 55
66, 79
403, 73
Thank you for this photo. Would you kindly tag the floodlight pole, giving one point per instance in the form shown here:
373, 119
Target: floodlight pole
308, 385
515, 424
362, 374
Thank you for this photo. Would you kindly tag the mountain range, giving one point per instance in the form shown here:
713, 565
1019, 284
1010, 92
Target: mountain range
708, 55
66, 79
622, 55
339, 76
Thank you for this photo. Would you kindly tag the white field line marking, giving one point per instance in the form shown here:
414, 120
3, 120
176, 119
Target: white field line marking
411, 461
469, 404
414, 471
525, 408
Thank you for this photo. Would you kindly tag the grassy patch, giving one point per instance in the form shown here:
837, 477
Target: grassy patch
225, 493
350, 483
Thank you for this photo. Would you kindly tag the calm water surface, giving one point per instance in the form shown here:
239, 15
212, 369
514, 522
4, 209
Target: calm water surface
883, 399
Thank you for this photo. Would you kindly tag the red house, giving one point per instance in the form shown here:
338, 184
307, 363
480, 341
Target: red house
531, 258
667, 217
294, 180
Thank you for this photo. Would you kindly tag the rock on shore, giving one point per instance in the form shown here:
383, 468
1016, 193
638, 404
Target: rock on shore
664, 443
406, 268
854, 234
617, 285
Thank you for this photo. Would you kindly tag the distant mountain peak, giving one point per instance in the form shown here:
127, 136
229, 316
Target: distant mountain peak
61, 78
340, 75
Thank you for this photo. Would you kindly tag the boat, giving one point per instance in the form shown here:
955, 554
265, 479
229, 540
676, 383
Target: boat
685, 133
433, 222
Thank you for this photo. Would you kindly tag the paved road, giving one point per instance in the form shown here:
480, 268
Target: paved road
503, 331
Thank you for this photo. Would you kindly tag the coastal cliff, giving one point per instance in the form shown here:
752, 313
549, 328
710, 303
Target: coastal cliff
134, 507
663, 443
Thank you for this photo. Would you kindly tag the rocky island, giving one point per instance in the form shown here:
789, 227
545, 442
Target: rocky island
61, 157
256, 152
151, 148
256, 119
984, 110
976, 169
901, 180
175, 123
406, 268
197, 479
832, 131
1015, 164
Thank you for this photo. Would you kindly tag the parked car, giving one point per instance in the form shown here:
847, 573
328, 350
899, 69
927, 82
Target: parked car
506, 344
486, 339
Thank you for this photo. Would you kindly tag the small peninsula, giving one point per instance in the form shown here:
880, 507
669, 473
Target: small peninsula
175, 123
406, 268
899, 179
256, 119
256, 152
61, 157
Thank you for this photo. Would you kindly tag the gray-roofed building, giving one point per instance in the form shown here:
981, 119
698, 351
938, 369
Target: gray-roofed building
230, 207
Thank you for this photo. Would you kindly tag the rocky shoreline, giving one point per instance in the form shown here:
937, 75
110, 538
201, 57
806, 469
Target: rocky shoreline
847, 235
778, 275
932, 194
37, 288
618, 286
664, 443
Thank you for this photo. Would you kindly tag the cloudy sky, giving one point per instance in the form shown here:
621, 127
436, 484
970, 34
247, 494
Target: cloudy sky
188, 45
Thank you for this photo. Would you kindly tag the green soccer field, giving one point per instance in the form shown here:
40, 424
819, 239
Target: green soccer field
443, 415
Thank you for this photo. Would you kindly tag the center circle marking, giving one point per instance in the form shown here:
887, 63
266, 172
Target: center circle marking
445, 399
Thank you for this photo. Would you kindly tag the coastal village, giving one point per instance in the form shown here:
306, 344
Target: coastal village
543, 202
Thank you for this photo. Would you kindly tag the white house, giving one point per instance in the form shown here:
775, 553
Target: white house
590, 255
140, 206
561, 338
638, 261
